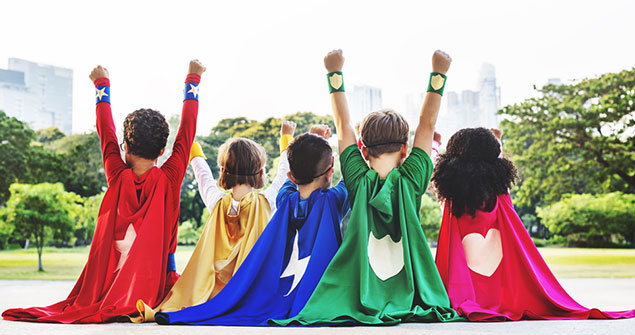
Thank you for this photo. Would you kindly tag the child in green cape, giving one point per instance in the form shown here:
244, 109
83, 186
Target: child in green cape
384, 272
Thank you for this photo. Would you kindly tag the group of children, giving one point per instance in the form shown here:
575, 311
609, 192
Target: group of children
302, 252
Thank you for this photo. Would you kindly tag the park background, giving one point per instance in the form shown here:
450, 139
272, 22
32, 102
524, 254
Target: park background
573, 143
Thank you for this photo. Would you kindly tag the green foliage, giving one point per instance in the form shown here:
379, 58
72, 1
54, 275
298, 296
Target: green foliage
85, 218
49, 134
15, 137
575, 138
188, 233
36, 211
82, 157
592, 221
431, 217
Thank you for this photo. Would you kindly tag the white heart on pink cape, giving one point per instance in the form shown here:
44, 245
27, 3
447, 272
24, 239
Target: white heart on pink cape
483, 254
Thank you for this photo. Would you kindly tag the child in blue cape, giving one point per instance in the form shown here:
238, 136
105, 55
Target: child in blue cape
286, 263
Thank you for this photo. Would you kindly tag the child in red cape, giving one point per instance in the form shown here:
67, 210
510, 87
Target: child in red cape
488, 263
132, 254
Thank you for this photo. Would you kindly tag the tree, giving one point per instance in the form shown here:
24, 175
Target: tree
577, 138
15, 137
82, 158
40, 210
49, 134
85, 218
593, 221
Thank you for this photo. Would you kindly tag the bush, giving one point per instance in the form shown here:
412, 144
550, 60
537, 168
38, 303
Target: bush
188, 235
586, 220
431, 217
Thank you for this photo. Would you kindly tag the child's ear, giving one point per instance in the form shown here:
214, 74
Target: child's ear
404, 150
290, 176
365, 152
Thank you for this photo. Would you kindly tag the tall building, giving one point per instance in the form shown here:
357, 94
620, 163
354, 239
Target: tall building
472, 108
40, 95
363, 99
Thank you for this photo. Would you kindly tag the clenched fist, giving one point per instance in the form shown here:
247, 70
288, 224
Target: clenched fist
334, 61
287, 128
321, 130
497, 133
441, 62
98, 72
196, 67
437, 137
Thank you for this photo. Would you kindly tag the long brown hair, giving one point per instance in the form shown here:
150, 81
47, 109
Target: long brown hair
242, 162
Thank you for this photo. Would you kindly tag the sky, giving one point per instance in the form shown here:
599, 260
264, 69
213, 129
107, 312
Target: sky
264, 58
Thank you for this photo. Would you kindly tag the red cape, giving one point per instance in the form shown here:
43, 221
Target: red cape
101, 294
521, 287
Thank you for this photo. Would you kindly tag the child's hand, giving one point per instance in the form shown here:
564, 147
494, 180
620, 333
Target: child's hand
196, 67
334, 61
497, 133
321, 130
98, 72
437, 137
441, 62
287, 128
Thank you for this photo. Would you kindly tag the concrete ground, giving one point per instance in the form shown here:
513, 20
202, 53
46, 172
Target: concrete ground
606, 294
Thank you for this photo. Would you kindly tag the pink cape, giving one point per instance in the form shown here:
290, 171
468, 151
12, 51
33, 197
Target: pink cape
521, 287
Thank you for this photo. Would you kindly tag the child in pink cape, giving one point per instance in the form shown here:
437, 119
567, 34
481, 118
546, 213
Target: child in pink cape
487, 261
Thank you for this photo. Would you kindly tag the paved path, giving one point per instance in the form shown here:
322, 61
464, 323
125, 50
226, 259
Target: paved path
608, 294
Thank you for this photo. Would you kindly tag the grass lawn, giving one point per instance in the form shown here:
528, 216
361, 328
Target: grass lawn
67, 264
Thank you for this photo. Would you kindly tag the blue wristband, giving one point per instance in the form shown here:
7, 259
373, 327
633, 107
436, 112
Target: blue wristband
171, 263
191, 91
102, 94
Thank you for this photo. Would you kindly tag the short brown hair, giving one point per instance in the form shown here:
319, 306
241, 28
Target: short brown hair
384, 131
309, 157
146, 133
242, 161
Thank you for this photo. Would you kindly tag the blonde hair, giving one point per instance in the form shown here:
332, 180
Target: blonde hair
384, 131
242, 162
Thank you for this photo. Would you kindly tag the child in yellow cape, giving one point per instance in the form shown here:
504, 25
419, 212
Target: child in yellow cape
237, 219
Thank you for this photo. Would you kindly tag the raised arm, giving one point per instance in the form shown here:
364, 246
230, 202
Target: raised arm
286, 135
432, 102
207, 186
334, 62
113, 164
175, 166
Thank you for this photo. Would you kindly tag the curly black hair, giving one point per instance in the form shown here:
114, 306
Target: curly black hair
309, 156
470, 173
146, 133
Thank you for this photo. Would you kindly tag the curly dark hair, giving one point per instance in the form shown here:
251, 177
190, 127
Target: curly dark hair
470, 174
146, 133
309, 155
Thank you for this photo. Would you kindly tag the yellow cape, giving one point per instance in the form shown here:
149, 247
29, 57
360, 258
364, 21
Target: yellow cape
225, 242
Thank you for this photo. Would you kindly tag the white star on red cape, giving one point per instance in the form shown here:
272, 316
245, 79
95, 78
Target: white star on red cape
123, 246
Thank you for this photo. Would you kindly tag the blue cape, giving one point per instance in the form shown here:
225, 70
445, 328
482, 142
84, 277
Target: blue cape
284, 266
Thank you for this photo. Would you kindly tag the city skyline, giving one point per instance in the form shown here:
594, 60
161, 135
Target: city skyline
266, 59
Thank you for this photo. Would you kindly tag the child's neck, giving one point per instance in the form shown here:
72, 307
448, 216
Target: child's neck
141, 165
385, 163
307, 189
239, 191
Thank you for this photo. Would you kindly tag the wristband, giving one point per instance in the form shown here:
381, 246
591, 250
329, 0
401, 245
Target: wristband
102, 94
437, 82
336, 81
284, 141
171, 266
191, 91
196, 151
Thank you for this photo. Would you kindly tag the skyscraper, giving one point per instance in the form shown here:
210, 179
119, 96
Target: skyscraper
40, 95
362, 100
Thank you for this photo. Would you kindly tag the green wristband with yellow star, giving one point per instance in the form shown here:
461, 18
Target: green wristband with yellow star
336, 81
437, 82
